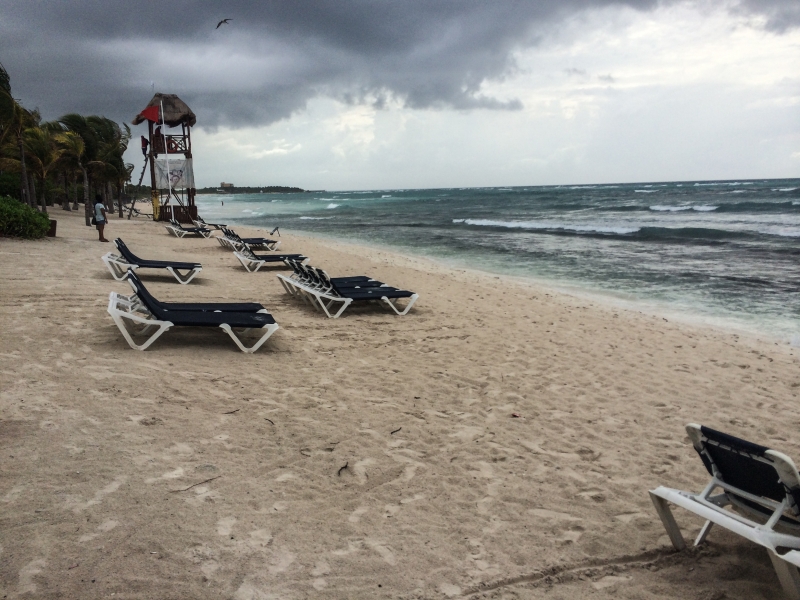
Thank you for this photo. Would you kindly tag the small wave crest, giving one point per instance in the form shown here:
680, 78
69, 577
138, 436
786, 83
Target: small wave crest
314, 218
386, 196
645, 191
784, 189
332, 205
698, 208
545, 225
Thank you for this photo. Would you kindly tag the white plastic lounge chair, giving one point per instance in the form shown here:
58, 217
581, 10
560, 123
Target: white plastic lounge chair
761, 485
334, 295
127, 260
253, 262
200, 222
143, 311
180, 231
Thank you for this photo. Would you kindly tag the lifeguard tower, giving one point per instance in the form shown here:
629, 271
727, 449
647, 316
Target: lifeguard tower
172, 188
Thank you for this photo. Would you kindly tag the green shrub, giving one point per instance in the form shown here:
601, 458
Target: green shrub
20, 220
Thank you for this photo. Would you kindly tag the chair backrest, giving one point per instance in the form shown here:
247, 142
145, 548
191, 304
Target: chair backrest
201, 220
126, 253
752, 468
245, 250
153, 305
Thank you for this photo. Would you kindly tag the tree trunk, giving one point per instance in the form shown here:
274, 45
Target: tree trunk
87, 205
44, 196
24, 174
107, 200
121, 187
62, 184
74, 191
32, 188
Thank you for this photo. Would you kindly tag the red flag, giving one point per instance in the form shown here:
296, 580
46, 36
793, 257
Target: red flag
150, 113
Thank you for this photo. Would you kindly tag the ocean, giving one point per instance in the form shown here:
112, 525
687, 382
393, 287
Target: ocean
725, 253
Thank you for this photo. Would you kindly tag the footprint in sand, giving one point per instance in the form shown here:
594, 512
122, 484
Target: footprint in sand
104, 527
26, 575
225, 525
202, 494
281, 561
260, 538
176, 474
609, 581
355, 516
384, 551
450, 590
98, 496
13, 493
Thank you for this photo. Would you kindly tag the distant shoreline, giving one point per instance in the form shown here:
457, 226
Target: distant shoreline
267, 189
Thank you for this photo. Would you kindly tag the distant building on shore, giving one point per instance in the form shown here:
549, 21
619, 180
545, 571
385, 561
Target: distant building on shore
225, 185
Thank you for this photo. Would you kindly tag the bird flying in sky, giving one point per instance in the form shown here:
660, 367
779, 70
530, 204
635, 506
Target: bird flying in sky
221, 22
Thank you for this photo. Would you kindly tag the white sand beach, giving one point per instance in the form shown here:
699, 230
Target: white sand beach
496, 442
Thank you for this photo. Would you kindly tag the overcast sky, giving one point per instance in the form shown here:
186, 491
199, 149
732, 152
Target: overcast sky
371, 94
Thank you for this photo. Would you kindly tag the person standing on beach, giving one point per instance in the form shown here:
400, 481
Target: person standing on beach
100, 216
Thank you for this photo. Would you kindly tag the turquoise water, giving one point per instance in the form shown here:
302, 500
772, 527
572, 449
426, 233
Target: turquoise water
722, 251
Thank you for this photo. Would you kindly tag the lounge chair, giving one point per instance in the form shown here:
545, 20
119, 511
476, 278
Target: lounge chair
142, 294
143, 310
253, 262
762, 485
120, 264
200, 222
334, 295
232, 240
180, 231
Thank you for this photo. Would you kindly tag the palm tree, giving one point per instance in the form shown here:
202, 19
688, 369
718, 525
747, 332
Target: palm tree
14, 120
80, 126
44, 154
74, 148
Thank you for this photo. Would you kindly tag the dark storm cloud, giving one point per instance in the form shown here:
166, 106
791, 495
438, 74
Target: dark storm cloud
100, 57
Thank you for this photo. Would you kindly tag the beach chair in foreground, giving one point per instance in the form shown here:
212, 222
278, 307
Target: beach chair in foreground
333, 295
142, 314
200, 222
120, 264
253, 262
180, 231
761, 485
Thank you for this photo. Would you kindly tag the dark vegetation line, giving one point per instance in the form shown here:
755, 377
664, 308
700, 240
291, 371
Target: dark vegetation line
62, 162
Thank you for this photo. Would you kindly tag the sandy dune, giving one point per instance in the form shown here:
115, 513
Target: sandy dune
372, 456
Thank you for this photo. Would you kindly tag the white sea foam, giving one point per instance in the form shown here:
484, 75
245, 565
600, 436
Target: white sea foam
784, 190
386, 196
698, 208
662, 208
646, 191
547, 225
315, 218
332, 205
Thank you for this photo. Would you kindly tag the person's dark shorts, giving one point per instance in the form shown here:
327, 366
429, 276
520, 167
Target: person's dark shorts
100, 223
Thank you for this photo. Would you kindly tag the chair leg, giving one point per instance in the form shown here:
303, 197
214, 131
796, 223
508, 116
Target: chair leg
673, 531
787, 575
701, 537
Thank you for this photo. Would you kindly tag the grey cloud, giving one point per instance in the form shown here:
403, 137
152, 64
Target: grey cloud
275, 56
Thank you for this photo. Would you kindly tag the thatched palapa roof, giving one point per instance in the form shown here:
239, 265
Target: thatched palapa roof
176, 111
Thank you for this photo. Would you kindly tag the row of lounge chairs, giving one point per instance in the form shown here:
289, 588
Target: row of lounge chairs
333, 295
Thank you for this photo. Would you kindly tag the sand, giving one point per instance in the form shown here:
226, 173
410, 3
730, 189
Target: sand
498, 441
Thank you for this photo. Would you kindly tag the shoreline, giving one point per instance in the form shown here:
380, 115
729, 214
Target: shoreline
497, 432
601, 298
